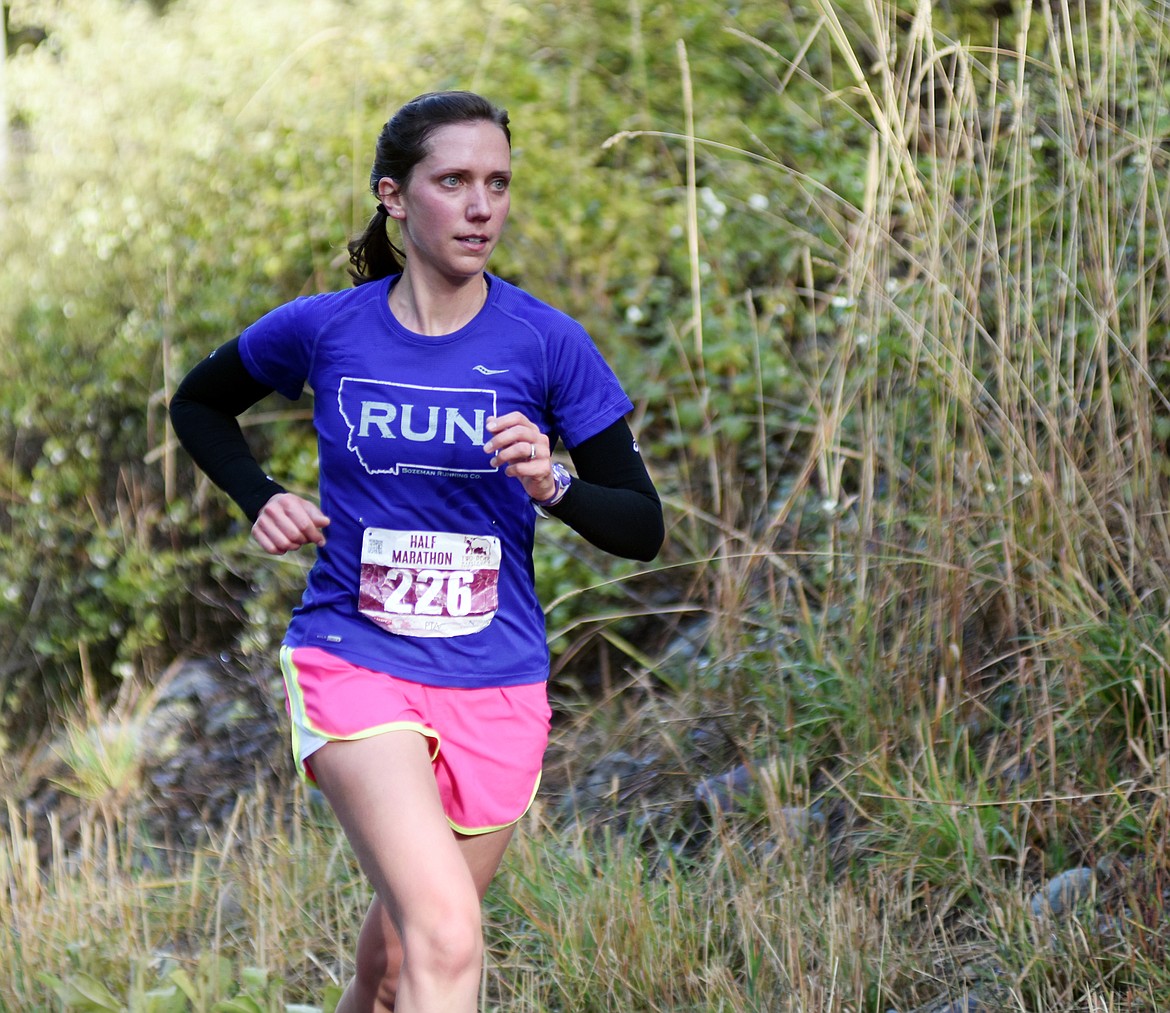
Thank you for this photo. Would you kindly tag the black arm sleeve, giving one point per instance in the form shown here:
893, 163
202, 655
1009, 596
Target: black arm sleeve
613, 503
203, 412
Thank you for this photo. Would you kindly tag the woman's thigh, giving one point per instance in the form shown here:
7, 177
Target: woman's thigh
383, 792
380, 943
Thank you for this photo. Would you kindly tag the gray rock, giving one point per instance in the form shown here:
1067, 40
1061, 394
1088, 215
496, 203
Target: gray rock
728, 791
229, 908
801, 822
1063, 892
616, 777
164, 728
968, 1004
226, 714
614, 767
195, 680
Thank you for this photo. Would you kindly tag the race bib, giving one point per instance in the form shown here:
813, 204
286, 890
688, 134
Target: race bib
429, 583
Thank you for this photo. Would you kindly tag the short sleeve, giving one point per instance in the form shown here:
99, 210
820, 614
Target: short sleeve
277, 348
586, 397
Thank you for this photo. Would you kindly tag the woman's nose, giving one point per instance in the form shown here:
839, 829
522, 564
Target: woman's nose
479, 204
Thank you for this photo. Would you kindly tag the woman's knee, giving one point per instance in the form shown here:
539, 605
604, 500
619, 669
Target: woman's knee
447, 938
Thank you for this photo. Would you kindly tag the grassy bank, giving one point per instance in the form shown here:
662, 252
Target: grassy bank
263, 917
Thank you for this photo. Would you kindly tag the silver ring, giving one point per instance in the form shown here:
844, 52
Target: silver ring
532, 455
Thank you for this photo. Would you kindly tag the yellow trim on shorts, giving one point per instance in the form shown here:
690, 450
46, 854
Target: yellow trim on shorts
299, 720
479, 831
390, 726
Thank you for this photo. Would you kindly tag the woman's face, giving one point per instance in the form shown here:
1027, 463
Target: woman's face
453, 208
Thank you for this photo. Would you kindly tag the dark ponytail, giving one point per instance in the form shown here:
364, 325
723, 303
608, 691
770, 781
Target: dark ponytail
402, 144
371, 254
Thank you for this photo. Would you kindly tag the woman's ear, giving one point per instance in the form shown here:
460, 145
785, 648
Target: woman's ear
390, 194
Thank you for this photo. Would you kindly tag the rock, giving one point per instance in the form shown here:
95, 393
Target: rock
968, 1004
799, 822
224, 715
615, 766
1108, 866
316, 804
164, 729
196, 680
616, 777
212, 736
710, 744
228, 907
1063, 892
726, 792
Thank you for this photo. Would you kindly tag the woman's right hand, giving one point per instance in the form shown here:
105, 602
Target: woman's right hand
287, 522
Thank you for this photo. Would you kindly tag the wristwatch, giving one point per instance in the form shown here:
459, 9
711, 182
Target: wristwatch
562, 478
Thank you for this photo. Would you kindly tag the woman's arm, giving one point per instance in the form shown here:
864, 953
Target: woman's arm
203, 413
612, 502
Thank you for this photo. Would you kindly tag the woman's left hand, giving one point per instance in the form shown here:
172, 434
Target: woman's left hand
523, 449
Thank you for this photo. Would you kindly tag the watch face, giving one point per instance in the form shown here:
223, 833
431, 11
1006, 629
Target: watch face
561, 480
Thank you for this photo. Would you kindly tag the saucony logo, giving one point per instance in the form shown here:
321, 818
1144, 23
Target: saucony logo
488, 372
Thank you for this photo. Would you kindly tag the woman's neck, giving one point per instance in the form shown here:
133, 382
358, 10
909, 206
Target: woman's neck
435, 309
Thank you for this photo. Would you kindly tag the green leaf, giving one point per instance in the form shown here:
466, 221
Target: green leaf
240, 1004
84, 992
183, 980
214, 971
50, 981
164, 1000
254, 978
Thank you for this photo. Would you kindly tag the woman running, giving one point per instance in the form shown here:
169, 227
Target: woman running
415, 665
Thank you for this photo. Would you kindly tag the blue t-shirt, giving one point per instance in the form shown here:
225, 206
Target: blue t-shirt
427, 569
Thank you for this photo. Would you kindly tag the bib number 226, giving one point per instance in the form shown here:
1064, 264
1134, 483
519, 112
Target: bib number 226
429, 592
429, 583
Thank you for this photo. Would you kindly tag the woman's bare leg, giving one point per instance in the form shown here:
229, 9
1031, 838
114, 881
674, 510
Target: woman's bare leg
421, 946
379, 950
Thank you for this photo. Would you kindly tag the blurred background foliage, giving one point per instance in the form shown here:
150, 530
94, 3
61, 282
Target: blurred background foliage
873, 370
177, 169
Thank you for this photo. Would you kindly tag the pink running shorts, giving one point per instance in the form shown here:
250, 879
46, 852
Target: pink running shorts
487, 745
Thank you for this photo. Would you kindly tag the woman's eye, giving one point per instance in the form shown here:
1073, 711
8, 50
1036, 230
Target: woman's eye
500, 184
449, 181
